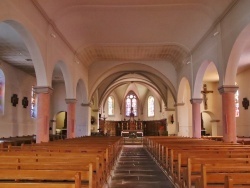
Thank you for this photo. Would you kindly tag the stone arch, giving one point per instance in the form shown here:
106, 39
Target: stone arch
240, 47
67, 77
134, 67
81, 87
215, 129
32, 46
199, 78
184, 109
82, 110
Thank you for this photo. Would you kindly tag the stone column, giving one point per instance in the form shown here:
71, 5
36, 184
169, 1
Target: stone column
228, 112
86, 118
196, 115
71, 117
181, 127
43, 113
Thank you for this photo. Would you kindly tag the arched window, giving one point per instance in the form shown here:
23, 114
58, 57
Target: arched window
131, 103
237, 105
2, 92
33, 103
111, 106
151, 106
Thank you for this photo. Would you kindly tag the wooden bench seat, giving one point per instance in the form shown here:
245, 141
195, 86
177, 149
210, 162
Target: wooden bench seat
237, 179
177, 164
215, 175
42, 178
98, 169
182, 158
63, 155
193, 170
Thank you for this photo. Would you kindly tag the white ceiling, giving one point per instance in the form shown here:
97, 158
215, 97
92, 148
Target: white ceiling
107, 29
100, 30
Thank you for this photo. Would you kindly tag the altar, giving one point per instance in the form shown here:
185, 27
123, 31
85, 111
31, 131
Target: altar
132, 133
133, 129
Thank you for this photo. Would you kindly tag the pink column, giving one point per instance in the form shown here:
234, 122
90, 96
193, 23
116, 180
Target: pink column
71, 117
196, 117
228, 112
43, 113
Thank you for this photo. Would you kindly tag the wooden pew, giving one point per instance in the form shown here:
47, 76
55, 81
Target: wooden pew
181, 161
42, 179
215, 175
172, 154
57, 152
193, 170
55, 162
233, 180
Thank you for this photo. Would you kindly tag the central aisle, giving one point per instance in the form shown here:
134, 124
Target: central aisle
135, 168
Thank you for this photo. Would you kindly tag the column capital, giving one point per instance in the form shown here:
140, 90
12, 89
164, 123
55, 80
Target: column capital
179, 104
70, 101
196, 101
43, 89
86, 104
228, 89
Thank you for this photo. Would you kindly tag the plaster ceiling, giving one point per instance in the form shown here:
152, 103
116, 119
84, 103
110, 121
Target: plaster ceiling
118, 30
211, 74
132, 29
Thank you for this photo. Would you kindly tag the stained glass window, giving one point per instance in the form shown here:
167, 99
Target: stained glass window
237, 105
151, 106
33, 103
111, 105
131, 103
1, 97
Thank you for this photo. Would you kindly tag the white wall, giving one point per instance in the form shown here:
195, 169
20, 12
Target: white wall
243, 121
58, 97
16, 121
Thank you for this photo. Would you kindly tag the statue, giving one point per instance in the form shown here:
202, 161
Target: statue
132, 120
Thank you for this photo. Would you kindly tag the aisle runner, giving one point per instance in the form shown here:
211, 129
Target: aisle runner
135, 168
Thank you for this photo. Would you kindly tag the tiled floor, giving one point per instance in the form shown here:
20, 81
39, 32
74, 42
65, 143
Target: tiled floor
136, 168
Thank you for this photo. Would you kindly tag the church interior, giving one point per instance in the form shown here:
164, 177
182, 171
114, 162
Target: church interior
148, 78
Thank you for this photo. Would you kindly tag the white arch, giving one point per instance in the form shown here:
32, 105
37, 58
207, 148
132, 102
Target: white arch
67, 79
133, 67
184, 109
83, 90
182, 87
199, 78
82, 113
34, 51
241, 44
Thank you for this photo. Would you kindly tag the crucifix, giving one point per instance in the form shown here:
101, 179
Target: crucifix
204, 93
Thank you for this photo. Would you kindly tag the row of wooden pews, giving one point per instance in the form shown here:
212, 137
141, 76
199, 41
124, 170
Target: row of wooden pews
17, 140
201, 163
78, 162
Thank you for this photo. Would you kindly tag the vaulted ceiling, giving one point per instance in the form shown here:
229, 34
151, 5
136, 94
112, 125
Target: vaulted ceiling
133, 29
121, 30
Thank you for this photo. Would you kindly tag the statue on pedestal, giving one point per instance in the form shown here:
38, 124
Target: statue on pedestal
132, 120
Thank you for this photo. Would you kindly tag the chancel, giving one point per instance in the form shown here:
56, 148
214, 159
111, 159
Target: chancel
134, 128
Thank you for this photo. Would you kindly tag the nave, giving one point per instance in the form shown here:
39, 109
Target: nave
135, 168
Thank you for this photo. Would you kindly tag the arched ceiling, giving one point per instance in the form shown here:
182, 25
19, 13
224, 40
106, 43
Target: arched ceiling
145, 82
120, 30
100, 30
